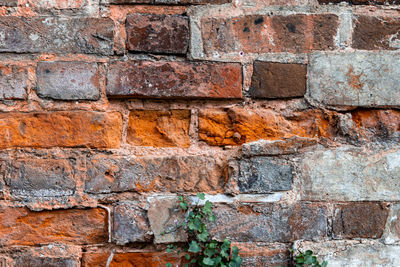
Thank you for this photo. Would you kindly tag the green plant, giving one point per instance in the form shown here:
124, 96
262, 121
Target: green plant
201, 249
305, 259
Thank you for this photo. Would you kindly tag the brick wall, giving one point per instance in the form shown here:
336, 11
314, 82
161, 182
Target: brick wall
284, 112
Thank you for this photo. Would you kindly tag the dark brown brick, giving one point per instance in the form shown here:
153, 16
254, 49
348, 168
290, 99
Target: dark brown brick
59, 35
10, 3
360, 220
157, 33
376, 33
260, 34
168, 79
278, 80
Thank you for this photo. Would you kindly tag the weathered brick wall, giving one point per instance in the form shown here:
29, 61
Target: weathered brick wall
284, 112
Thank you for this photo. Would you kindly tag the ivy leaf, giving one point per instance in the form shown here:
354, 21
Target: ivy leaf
212, 218
187, 256
183, 205
235, 251
207, 208
180, 198
324, 264
168, 264
194, 247
203, 236
208, 261
201, 196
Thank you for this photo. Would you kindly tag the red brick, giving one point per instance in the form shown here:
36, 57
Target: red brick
361, 2
148, 259
278, 80
360, 220
376, 33
61, 129
170, 2
261, 34
20, 226
263, 254
157, 33
169, 79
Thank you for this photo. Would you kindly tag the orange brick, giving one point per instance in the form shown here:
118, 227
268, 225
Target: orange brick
20, 226
159, 128
63, 129
236, 126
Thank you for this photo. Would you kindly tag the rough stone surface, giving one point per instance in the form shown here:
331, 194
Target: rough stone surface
367, 79
235, 126
263, 175
270, 222
148, 259
19, 226
278, 80
263, 34
164, 216
41, 178
13, 82
59, 35
353, 253
362, 2
65, 129
360, 220
157, 33
154, 174
159, 128
392, 231
168, 79
291, 145
68, 80
351, 174
130, 224
10, 3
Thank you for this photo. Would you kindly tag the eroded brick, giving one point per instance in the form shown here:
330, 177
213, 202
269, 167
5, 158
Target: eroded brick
64, 129
68, 80
154, 174
157, 33
170, 2
270, 222
263, 254
41, 177
59, 35
145, 258
235, 126
361, 2
278, 80
10, 3
130, 224
19, 226
13, 82
360, 220
168, 79
262, 34
159, 128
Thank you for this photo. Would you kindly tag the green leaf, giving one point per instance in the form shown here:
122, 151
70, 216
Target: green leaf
186, 265
187, 256
212, 218
194, 247
201, 196
180, 198
235, 251
168, 264
208, 261
299, 259
203, 237
169, 250
309, 253
324, 264
183, 205
207, 208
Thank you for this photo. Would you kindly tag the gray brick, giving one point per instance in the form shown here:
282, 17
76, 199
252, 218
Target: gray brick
366, 79
68, 80
55, 34
13, 82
